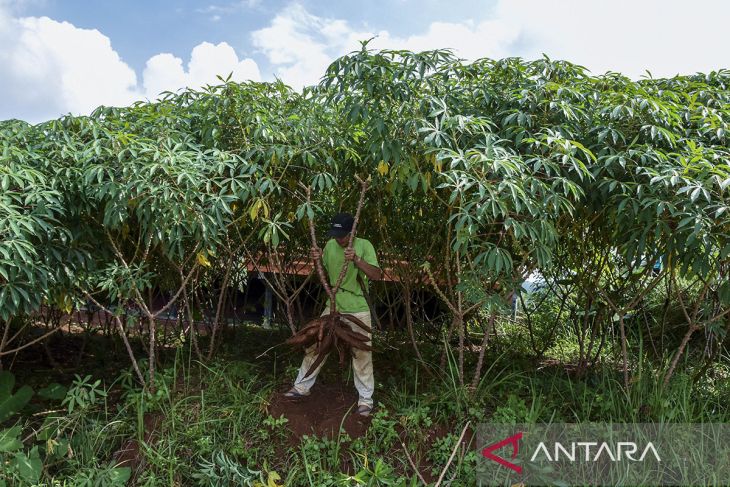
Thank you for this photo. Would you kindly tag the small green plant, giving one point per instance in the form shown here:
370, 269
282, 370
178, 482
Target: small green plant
417, 417
222, 471
17, 464
377, 473
465, 467
382, 429
515, 411
83, 394
12, 402
106, 476
148, 399
276, 425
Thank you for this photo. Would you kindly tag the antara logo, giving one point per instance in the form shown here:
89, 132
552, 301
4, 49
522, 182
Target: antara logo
513, 440
585, 451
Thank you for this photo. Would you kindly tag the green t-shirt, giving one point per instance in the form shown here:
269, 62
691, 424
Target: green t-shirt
350, 297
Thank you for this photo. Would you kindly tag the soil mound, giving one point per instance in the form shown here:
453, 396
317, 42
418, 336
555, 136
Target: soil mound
322, 412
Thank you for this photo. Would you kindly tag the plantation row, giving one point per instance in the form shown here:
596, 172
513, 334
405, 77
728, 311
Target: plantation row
482, 174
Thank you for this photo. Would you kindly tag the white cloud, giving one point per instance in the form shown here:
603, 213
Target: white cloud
49, 68
301, 45
490, 38
229, 7
166, 72
664, 36
215, 11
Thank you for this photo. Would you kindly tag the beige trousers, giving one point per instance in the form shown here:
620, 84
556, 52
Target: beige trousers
362, 365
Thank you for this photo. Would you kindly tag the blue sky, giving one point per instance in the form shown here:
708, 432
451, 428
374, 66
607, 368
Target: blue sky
61, 56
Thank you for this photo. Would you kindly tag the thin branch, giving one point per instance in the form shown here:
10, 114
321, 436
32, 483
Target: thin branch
439, 292
413, 465
120, 328
453, 453
26, 345
177, 294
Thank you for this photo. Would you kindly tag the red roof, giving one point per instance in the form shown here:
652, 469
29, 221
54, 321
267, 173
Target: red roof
304, 267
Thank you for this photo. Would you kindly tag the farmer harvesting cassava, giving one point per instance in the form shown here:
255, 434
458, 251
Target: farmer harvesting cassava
350, 299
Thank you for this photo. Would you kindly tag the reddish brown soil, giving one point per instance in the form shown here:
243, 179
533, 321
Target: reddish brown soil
129, 455
321, 413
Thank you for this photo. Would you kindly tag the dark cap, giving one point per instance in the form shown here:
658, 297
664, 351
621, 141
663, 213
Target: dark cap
341, 225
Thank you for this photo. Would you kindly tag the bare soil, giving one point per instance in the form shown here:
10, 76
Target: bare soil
321, 413
130, 454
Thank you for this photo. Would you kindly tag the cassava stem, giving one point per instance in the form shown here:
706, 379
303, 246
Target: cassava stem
332, 330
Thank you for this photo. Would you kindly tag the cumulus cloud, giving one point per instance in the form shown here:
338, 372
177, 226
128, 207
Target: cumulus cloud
49, 68
301, 45
215, 11
165, 71
470, 40
665, 37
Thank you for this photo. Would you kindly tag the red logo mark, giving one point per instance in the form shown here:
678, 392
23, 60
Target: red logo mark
513, 440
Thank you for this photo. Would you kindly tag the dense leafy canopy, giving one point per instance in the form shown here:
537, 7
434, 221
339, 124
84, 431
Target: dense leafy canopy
487, 171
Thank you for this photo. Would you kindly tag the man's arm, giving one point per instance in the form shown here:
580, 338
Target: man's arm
372, 272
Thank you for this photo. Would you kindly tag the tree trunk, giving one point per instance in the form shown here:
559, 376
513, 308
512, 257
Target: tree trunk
442, 361
152, 355
480, 361
4, 341
409, 324
219, 307
624, 353
461, 324
123, 334
680, 350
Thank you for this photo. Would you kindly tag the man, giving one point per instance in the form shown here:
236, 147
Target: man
350, 299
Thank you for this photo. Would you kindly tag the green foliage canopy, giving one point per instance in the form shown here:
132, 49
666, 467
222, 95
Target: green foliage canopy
496, 160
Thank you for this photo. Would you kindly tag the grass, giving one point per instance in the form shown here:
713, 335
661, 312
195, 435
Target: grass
212, 426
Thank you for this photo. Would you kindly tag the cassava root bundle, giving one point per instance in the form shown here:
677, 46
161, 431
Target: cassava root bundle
337, 334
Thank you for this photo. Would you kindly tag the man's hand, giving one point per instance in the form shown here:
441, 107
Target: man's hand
350, 255
315, 254
371, 271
